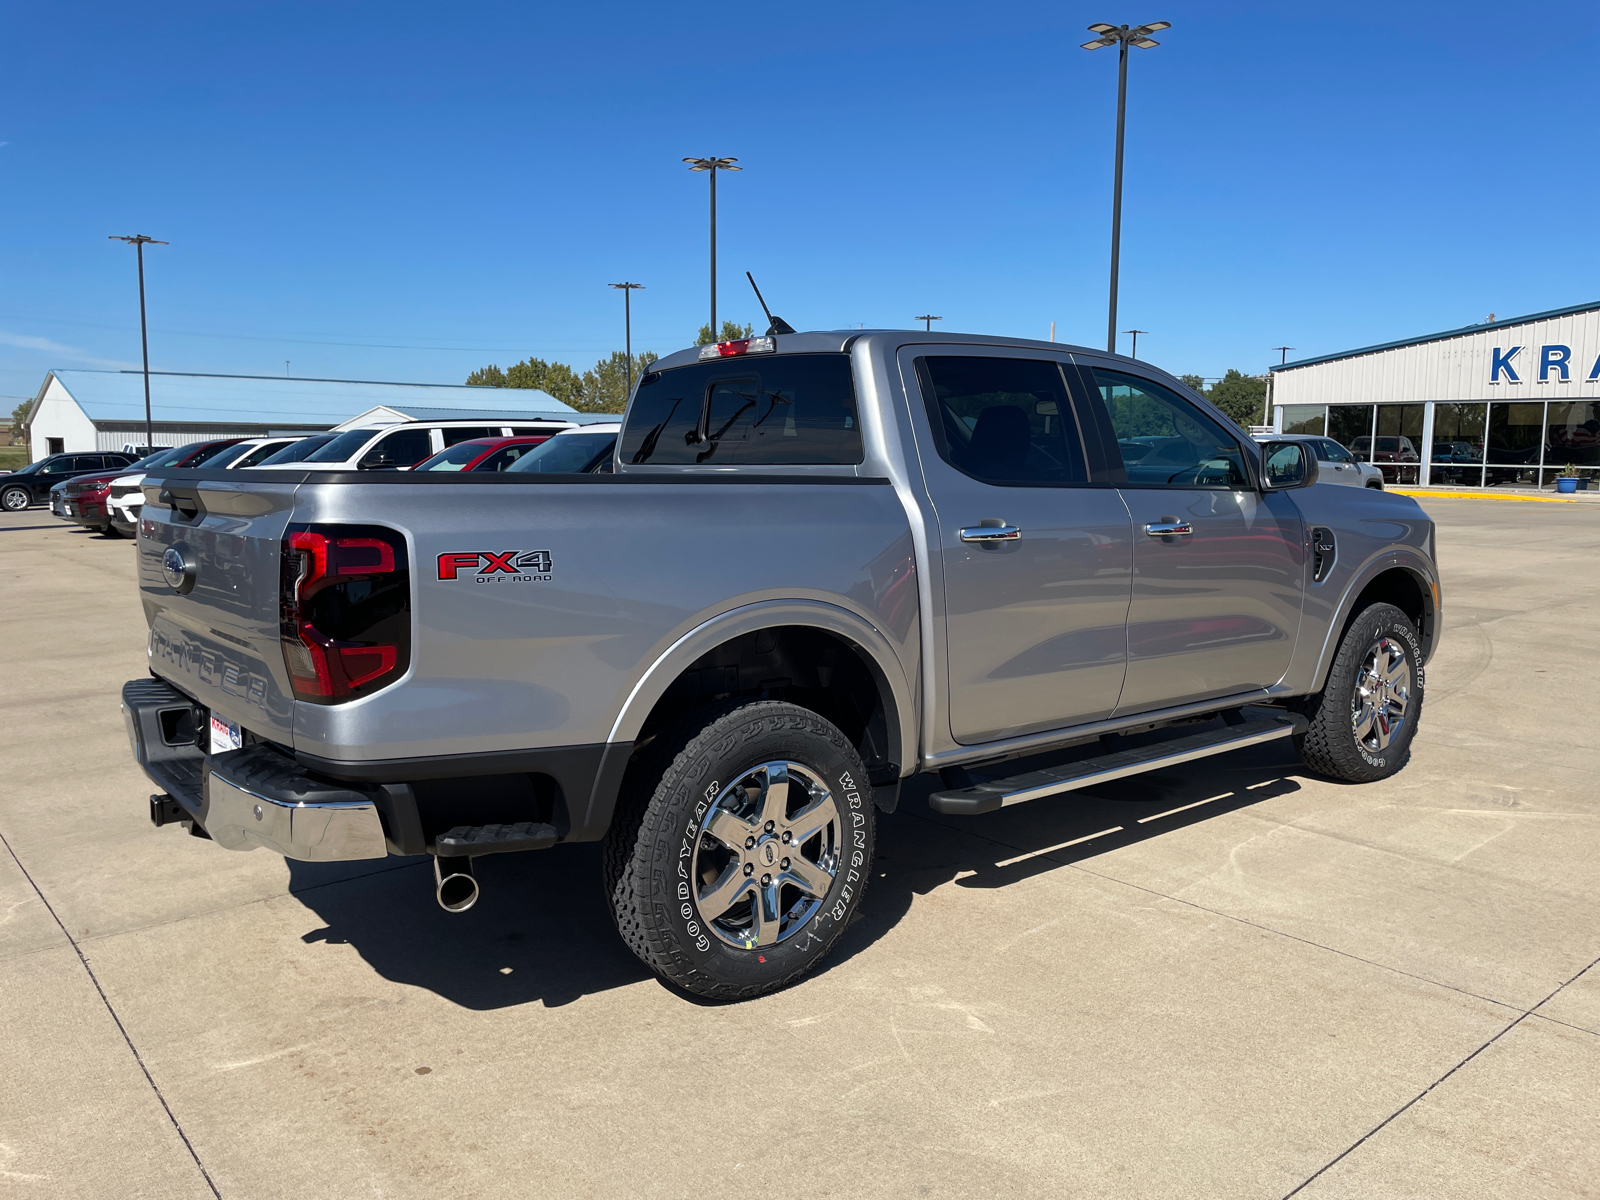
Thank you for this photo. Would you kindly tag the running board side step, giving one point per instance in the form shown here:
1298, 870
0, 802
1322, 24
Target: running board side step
1032, 785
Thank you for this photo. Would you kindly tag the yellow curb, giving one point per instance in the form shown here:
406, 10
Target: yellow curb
1485, 495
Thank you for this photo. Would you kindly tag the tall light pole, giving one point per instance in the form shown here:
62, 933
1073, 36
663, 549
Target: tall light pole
1266, 403
1134, 353
627, 324
1122, 37
139, 241
713, 165
927, 320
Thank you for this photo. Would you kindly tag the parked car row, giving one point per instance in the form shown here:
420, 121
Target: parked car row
109, 499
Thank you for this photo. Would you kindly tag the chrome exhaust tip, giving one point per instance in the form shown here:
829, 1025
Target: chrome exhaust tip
454, 885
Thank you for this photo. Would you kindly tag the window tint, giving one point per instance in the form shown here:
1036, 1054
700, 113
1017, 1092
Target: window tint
568, 454
402, 448
468, 433
786, 410
260, 454
228, 455
341, 447
503, 458
205, 456
299, 451
60, 466
1165, 441
455, 458
1333, 452
1003, 420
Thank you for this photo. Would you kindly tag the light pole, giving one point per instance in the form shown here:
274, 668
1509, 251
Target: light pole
927, 320
1134, 353
139, 241
627, 324
1122, 37
713, 165
1266, 403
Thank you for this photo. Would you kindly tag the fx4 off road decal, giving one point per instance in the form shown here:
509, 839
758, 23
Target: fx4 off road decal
485, 566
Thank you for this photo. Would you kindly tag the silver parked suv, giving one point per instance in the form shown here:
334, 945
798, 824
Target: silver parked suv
821, 564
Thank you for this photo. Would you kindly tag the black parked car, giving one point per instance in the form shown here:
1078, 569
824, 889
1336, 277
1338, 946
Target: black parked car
32, 483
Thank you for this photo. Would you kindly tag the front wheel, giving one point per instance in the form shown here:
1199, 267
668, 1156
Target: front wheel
741, 849
15, 499
1364, 719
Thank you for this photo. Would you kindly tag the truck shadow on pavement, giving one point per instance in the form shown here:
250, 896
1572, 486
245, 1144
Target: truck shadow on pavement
542, 933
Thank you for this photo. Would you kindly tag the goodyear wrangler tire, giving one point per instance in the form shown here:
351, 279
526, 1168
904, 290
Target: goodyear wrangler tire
741, 850
1363, 720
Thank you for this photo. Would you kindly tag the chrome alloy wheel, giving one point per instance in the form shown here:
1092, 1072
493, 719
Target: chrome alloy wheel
766, 854
14, 500
1382, 696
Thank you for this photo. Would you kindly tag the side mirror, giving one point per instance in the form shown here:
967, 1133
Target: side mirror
1286, 465
376, 462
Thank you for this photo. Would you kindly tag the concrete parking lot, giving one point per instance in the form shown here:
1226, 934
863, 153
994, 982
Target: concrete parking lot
1228, 980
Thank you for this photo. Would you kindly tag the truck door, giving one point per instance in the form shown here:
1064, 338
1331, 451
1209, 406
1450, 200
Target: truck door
1218, 567
1036, 553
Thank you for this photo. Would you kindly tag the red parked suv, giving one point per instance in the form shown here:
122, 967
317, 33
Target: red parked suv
82, 499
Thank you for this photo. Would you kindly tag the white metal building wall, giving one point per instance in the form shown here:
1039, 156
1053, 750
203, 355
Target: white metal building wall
1455, 368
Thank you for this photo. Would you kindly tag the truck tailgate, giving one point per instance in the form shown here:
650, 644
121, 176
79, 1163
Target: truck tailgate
209, 560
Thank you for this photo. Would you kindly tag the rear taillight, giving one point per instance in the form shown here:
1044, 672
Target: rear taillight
344, 610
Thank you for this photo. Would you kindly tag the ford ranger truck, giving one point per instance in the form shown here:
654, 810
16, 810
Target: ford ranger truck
822, 563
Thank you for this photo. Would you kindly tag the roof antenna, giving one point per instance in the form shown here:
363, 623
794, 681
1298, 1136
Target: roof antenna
774, 324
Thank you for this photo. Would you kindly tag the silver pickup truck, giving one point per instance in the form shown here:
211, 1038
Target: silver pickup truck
820, 564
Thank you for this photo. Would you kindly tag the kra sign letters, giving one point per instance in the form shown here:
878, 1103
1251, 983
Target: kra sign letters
1552, 358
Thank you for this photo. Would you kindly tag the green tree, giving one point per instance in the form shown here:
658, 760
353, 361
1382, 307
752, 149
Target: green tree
1197, 382
19, 417
1240, 396
603, 388
732, 331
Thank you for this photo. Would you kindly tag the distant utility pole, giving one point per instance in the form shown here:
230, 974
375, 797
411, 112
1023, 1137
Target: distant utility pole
1052, 331
1136, 333
1122, 37
927, 320
139, 241
627, 323
286, 368
713, 165
1283, 353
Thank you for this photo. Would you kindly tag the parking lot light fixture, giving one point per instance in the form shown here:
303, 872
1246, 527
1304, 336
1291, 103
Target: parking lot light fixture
1121, 36
711, 166
627, 324
139, 241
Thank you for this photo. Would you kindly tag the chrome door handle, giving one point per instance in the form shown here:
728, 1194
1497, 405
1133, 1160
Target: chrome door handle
1169, 528
991, 533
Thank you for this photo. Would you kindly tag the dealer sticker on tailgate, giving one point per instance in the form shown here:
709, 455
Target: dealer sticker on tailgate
224, 735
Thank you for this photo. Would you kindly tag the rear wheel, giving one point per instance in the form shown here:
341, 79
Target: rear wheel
1363, 720
741, 849
15, 499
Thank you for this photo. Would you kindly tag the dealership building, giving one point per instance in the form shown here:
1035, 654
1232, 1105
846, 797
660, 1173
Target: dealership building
1505, 403
104, 410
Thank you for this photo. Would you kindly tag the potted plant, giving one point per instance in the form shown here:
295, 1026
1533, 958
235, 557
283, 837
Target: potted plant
1567, 481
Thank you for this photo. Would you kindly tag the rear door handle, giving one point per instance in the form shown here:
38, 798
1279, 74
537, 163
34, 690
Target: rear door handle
991, 533
1169, 528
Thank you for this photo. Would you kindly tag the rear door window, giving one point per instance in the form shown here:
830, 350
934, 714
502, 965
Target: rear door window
1004, 421
402, 448
795, 409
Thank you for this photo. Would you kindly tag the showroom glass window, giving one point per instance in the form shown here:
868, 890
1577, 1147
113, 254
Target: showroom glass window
1005, 421
1304, 418
1572, 438
1164, 440
1514, 441
1457, 450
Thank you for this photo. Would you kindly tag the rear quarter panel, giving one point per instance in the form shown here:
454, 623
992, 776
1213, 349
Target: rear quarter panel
503, 662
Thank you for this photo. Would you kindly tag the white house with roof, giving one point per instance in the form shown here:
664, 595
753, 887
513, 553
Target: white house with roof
104, 410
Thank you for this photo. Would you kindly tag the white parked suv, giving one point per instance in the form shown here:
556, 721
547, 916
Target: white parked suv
401, 447
1335, 464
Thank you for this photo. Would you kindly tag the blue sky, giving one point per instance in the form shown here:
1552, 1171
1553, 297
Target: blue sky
406, 192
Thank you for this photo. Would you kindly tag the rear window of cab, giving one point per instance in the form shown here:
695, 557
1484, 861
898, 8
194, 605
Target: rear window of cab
782, 410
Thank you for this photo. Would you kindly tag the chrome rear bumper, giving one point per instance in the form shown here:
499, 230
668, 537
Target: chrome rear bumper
257, 797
